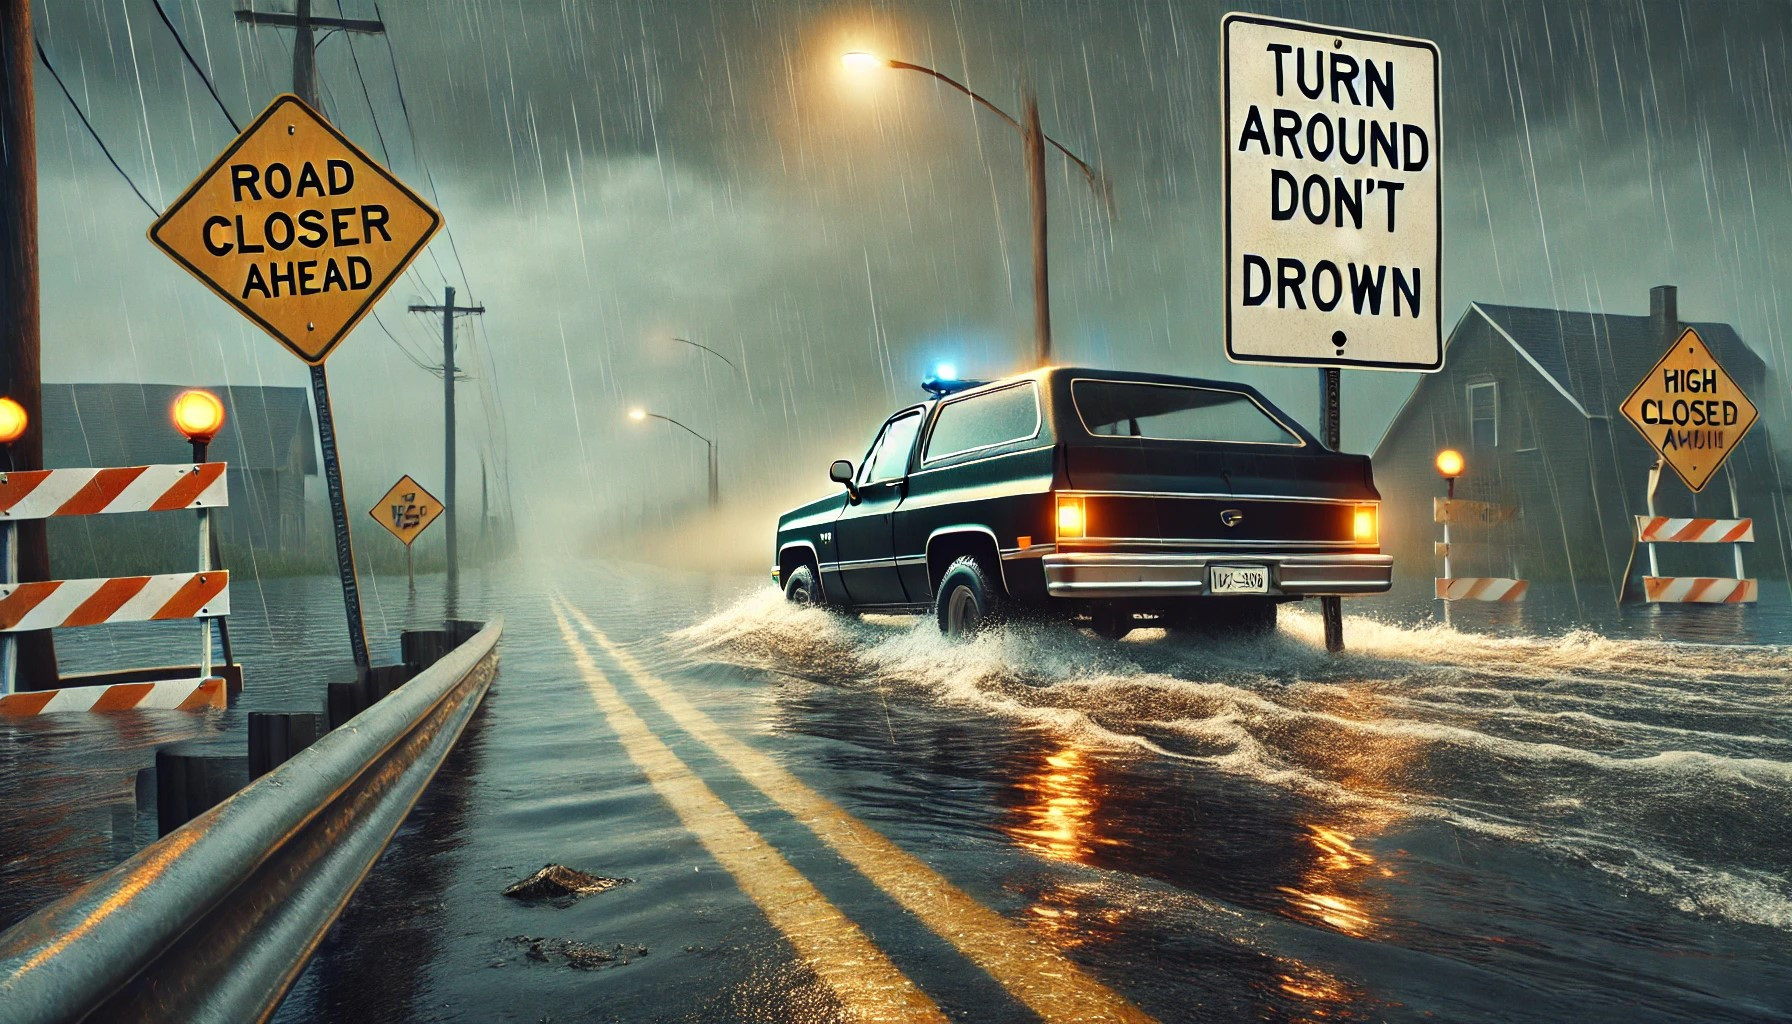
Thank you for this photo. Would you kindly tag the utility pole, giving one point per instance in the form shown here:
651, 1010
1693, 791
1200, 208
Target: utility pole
21, 368
1033, 139
448, 309
304, 84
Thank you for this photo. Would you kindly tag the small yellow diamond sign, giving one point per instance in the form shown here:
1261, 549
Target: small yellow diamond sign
1691, 410
407, 509
297, 228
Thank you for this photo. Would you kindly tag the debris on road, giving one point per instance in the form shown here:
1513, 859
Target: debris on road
561, 885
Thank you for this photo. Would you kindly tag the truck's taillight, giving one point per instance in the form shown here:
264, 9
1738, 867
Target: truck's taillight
1366, 530
1070, 517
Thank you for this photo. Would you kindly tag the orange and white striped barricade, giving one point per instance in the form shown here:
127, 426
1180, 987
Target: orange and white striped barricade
1654, 529
163, 694
1450, 587
54, 604
1481, 588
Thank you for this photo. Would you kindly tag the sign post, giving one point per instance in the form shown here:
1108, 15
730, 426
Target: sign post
1690, 411
406, 511
1333, 206
302, 232
1694, 415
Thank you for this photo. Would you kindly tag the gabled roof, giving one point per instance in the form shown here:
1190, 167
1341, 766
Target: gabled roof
1611, 352
129, 425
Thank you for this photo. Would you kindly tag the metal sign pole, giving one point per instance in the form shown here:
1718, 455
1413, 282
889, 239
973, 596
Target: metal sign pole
1654, 478
345, 547
1331, 609
1735, 513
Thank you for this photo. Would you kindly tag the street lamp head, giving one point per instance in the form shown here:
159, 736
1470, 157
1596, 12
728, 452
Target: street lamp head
637, 414
12, 421
859, 60
198, 414
1449, 464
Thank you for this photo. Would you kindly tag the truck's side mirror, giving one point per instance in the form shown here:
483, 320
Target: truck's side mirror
841, 473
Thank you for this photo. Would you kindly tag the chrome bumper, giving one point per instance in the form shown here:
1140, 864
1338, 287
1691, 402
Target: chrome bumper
1101, 574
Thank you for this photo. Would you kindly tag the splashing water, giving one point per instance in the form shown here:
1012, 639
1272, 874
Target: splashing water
1659, 763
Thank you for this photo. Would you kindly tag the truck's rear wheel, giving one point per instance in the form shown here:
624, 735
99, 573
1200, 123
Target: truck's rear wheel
803, 587
966, 601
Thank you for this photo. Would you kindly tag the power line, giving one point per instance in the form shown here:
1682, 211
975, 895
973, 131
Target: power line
411, 127
51, 68
203, 77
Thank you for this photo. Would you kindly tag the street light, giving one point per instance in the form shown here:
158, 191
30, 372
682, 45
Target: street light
200, 415
13, 421
711, 351
640, 415
1449, 466
1033, 142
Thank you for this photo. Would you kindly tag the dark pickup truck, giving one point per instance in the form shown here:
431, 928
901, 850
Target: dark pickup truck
1119, 499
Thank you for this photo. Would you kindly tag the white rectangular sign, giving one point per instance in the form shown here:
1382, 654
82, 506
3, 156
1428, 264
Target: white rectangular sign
1334, 206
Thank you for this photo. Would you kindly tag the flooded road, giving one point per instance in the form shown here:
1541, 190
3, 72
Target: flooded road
1045, 825
829, 818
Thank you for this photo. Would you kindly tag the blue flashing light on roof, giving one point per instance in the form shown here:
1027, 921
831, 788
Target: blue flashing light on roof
944, 381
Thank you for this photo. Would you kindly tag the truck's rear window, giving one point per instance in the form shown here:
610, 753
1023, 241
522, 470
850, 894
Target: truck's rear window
1175, 412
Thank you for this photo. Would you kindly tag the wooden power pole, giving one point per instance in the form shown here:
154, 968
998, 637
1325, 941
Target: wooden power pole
21, 368
448, 309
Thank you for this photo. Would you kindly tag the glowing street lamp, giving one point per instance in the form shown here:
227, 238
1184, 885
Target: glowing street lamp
1033, 142
1449, 466
640, 415
199, 415
12, 421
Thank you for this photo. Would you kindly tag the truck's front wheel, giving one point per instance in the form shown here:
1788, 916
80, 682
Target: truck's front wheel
966, 601
802, 587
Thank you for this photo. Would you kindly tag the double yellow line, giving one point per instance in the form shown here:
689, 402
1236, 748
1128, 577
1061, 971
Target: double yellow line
868, 985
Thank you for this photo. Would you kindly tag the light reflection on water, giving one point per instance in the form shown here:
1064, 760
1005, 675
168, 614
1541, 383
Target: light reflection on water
1058, 820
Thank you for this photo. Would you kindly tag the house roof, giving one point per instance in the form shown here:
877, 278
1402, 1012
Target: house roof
1615, 350
129, 425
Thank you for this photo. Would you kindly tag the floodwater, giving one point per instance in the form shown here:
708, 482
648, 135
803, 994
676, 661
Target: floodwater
1529, 824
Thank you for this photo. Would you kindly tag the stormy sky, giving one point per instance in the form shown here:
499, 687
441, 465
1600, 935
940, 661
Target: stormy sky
616, 173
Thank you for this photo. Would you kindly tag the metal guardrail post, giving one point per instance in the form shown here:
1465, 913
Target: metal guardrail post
215, 921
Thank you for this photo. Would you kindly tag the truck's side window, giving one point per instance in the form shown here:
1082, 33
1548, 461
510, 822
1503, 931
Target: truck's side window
1175, 412
984, 421
888, 459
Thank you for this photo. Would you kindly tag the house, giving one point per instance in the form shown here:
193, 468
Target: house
267, 440
1531, 399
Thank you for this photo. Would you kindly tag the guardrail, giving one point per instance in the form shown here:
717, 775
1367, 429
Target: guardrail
216, 920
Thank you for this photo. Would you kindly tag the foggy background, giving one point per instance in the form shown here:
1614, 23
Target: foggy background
616, 173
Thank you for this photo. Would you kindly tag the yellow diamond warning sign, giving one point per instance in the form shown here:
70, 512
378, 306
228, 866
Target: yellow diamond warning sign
1691, 410
297, 228
407, 509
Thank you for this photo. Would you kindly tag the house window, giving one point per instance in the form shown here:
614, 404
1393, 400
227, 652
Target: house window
1484, 414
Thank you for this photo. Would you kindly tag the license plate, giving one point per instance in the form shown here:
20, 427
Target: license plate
1237, 579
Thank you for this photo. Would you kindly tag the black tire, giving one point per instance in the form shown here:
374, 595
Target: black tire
967, 601
1111, 623
803, 587
1223, 616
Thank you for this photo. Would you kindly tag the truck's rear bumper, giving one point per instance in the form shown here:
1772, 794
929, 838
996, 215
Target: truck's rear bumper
1125, 574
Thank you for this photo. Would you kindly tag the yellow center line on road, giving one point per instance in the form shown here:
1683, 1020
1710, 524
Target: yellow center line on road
868, 986
1030, 969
